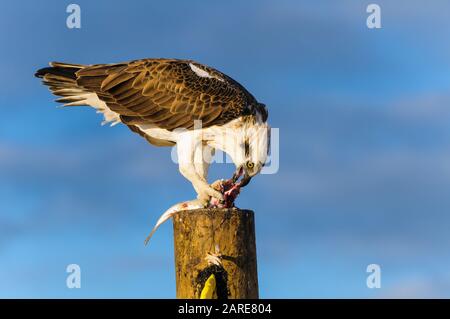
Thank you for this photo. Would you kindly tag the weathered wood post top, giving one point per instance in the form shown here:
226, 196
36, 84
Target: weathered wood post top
225, 233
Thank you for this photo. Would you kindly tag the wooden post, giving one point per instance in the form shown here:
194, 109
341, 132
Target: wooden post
201, 231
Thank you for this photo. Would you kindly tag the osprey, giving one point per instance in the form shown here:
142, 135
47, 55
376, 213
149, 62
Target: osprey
175, 102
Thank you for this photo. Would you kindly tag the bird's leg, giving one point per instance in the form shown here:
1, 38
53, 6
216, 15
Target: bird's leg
202, 160
190, 152
202, 197
203, 189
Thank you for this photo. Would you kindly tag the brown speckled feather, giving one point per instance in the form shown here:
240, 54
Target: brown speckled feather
167, 93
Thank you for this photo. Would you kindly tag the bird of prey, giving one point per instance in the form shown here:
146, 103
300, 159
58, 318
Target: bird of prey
175, 102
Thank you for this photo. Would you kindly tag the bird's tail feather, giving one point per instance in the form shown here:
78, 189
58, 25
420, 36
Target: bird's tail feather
61, 79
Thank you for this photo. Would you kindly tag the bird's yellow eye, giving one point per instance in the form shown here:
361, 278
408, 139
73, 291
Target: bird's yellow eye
250, 165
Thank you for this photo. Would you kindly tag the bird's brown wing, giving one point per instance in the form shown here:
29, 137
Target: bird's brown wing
167, 93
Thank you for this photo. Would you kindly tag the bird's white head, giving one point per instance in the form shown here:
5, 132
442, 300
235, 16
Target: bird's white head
251, 150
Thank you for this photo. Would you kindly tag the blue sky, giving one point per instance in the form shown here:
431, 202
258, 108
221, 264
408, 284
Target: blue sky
364, 123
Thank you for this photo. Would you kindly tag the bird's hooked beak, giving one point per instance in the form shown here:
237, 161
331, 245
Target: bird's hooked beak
241, 171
